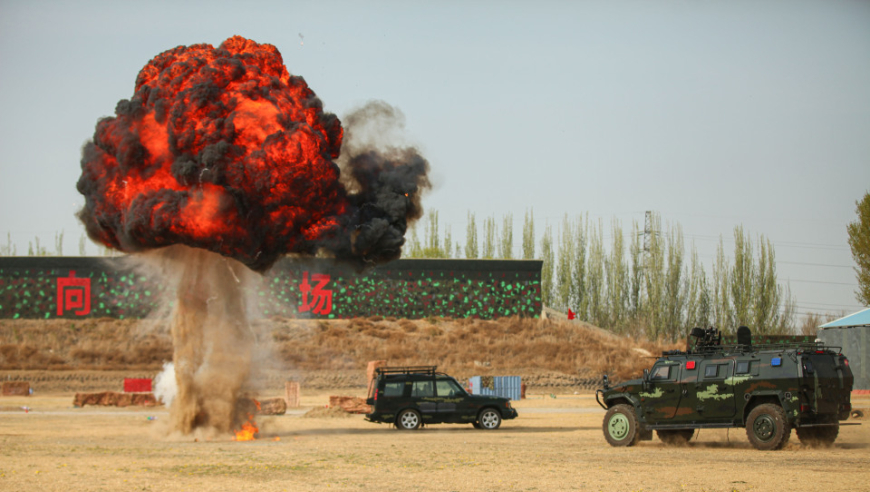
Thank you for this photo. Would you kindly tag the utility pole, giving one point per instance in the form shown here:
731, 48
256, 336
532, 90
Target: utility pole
647, 230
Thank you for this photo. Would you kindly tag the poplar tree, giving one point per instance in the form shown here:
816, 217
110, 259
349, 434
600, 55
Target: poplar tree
562, 283
547, 268
617, 280
742, 280
489, 237
595, 277
529, 235
578, 296
767, 294
859, 242
506, 248
471, 250
721, 288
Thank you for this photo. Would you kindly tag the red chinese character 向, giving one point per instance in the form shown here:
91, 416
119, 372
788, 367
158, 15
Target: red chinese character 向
321, 299
73, 293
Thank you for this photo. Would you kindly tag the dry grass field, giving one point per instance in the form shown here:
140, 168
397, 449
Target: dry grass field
555, 444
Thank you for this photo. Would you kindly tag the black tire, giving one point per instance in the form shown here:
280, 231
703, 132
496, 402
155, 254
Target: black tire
409, 420
676, 437
620, 426
489, 419
476, 425
767, 428
822, 437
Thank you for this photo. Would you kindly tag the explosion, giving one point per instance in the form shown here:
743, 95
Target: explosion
222, 160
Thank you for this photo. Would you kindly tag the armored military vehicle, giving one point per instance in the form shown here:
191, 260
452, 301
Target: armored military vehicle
768, 389
410, 397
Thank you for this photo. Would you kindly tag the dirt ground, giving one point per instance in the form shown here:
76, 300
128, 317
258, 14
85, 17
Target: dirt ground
555, 444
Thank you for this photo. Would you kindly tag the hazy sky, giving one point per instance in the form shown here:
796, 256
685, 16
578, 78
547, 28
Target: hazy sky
711, 113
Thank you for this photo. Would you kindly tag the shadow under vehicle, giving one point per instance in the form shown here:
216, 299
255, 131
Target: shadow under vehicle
768, 389
410, 397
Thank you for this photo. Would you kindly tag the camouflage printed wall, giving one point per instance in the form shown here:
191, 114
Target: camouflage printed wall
74, 287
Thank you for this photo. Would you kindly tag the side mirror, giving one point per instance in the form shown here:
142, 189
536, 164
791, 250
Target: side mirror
606, 382
646, 379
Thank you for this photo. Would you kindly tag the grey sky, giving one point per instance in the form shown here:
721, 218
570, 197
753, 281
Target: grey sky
712, 113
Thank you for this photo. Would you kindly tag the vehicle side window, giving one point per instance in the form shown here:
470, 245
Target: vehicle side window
447, 388
711, 371
661, 373
394, 388
423, 389
743, 367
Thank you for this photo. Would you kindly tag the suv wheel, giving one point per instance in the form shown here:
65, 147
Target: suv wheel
818, 436
767, 428
676, 437
620, 426
408, 420
489, 419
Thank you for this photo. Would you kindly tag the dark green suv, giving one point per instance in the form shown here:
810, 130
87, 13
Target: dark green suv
409, 397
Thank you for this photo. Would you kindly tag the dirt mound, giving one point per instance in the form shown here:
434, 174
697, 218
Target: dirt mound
87, 355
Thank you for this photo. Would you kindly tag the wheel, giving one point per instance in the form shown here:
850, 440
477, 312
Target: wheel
489, 419
767, 428
818, 436
676, 437
620, 426
408, 420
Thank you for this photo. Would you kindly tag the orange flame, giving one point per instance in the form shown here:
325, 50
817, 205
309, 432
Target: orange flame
249, 430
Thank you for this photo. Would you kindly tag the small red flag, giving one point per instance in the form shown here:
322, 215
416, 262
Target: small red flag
571, 314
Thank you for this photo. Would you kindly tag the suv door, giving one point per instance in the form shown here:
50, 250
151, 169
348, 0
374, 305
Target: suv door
661, 402
423, 394
451, 399
711, 397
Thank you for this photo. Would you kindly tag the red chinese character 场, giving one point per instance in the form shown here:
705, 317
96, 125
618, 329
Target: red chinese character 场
73, 293
320, 301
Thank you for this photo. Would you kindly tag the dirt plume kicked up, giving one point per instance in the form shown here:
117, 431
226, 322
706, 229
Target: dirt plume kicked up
211, 337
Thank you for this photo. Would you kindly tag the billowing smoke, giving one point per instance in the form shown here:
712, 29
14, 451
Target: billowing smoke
222, 160
222, 149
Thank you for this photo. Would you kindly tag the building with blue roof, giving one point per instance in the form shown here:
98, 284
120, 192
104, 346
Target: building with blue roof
852, 333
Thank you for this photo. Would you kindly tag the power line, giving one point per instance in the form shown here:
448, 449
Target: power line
821, 282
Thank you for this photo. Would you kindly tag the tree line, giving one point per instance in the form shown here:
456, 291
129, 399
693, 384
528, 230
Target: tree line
644, 284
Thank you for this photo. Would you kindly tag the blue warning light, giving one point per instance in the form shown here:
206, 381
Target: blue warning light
776, 361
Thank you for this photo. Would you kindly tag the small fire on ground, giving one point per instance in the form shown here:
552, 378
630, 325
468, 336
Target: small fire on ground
249, 429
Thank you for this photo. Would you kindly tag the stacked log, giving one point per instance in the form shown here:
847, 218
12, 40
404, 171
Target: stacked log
350, 404
16, 388
115, 399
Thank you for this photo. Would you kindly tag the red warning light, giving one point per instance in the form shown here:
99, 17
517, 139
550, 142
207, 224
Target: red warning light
690, 364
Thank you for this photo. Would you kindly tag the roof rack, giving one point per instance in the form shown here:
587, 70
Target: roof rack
805, 346
430, 370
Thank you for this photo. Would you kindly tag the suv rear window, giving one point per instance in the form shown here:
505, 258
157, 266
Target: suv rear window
395, 388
